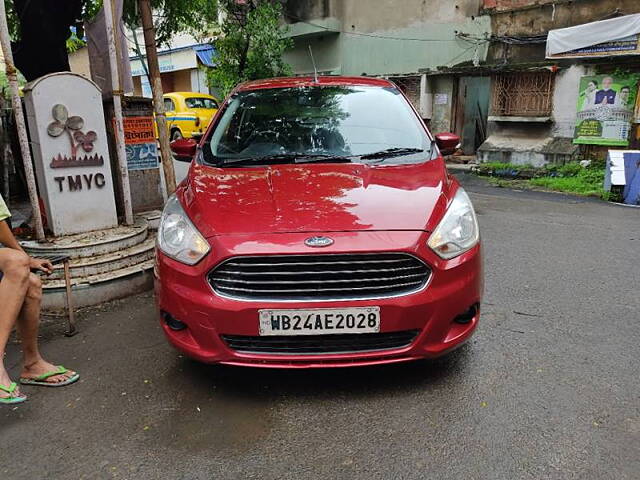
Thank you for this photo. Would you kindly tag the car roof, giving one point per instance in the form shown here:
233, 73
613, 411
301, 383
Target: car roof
190, 95
288, 82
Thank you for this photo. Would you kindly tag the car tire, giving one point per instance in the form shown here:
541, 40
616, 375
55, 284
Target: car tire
176, 135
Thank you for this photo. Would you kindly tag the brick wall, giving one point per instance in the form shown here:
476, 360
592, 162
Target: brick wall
511, 4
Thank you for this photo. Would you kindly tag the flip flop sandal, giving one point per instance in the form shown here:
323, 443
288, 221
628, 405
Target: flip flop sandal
11, 400
41, 380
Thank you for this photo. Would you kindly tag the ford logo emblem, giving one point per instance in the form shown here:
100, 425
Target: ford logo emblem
318, 242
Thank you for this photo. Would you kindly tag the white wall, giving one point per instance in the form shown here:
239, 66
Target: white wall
565, 98
199, 81
79, 62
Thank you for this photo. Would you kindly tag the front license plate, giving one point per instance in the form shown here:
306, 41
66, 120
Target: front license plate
320, 321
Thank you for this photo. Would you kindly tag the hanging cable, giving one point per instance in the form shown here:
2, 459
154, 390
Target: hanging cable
371, 35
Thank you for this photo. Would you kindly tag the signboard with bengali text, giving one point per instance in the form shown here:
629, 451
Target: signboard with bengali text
140, 143
622, 46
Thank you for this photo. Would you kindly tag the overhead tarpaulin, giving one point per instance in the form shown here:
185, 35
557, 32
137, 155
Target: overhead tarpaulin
205, 54
616, 36
96, 31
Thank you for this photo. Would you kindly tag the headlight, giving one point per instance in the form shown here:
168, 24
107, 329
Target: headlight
177, 237
458, 230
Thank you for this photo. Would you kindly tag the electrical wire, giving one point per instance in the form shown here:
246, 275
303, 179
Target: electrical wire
519, 40
475, 40
448, 64
372, 35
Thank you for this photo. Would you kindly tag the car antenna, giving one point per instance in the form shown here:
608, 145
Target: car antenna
315, 70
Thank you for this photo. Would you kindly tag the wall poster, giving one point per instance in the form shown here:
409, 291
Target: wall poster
140, 143
605, 109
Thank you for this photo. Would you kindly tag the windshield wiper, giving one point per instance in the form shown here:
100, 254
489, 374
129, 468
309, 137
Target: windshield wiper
390, 152
313, 158
287, 157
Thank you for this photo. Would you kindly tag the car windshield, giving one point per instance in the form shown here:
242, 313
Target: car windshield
320, 122
200, 102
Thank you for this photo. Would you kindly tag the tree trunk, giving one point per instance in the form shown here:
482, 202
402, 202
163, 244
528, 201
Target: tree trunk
116, 88
156, 87
243, 59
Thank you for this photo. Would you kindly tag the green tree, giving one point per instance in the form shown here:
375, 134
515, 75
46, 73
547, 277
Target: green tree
250, 45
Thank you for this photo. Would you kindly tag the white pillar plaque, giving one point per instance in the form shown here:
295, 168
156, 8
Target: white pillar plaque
71, 155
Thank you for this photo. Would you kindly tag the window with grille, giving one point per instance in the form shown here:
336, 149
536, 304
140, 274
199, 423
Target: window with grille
523, 94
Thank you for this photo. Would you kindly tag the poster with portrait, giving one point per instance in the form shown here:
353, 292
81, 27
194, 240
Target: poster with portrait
605, 109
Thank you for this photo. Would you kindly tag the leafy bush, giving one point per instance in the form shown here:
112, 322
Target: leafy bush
571, 177
566, 170
586, 182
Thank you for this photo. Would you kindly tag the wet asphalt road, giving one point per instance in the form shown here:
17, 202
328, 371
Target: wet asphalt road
548, 388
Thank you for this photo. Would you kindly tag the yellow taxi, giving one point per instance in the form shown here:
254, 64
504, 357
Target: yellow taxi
188, 113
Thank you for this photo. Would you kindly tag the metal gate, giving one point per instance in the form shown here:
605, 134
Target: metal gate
474, 97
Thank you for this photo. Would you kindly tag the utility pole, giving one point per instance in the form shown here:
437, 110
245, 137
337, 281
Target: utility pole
16, 103
156, 87
121, 151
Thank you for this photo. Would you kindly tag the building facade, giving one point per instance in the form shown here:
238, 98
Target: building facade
533, 112
406, 41
181, 64
477, 68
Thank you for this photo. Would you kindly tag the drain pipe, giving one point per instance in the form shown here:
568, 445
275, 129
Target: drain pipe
16, 103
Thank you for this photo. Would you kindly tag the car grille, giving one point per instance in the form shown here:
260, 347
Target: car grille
319, 344
319, 277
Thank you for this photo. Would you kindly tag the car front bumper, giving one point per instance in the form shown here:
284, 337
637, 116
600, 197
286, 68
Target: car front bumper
454, 286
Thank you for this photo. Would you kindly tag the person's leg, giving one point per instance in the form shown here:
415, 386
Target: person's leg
13, 288
28, 322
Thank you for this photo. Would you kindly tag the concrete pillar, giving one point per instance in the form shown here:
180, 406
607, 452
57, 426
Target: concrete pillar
426, 97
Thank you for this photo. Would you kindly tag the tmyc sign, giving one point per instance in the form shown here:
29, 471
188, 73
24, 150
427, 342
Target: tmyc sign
66, 123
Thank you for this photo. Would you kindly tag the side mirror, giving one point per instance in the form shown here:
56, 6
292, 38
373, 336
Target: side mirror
448, 143
184, 149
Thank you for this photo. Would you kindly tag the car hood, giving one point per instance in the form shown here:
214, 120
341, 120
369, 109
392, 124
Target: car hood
315, 198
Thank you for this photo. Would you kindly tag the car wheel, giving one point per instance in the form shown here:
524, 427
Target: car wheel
176, 135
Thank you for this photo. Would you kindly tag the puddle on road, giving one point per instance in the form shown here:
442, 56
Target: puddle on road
204, 415
232, 410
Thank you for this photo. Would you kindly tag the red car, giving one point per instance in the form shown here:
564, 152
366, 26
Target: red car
318, 227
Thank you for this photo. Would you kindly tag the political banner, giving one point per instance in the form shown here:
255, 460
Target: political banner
605, 109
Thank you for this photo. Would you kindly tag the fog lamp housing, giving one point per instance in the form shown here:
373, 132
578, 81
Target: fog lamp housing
172, 322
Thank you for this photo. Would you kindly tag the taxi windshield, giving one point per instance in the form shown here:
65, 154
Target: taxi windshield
200, 102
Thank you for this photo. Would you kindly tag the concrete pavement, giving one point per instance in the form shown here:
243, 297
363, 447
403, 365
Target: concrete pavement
548, 388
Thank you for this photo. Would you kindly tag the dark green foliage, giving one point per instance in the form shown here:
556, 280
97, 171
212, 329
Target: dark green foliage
250, 46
